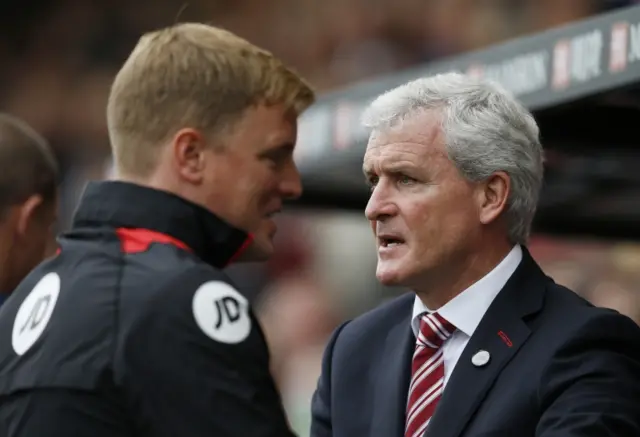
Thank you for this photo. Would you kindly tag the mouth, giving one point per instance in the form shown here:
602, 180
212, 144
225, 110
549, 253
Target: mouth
389, 241
272, 214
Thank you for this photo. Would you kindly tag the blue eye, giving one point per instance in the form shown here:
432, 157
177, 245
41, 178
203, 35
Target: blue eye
405, 180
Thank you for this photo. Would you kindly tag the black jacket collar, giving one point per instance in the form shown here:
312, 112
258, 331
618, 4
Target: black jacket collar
125, 205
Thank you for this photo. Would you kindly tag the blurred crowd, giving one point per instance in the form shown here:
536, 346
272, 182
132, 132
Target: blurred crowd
59, 57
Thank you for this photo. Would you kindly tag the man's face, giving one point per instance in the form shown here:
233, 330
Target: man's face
422, 211
250, 178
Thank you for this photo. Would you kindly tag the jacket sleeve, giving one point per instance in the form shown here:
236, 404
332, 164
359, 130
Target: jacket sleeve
592, 387
321, 425
193, 361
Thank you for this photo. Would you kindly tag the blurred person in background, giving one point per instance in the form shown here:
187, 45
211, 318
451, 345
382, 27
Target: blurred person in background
486, 344
613, 291
145, 334
28, 201
298, 316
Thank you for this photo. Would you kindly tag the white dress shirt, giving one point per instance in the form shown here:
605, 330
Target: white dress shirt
467, 309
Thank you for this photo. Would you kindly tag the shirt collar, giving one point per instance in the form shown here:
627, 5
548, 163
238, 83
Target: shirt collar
122, 204
467, 309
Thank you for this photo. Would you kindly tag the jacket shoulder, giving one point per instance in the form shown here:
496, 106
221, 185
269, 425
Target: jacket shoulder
152, 290
567, 319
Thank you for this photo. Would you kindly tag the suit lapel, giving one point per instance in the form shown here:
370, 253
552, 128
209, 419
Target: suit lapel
501, 332
393, 376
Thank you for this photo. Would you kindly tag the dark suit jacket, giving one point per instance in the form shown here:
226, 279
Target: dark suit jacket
559, 367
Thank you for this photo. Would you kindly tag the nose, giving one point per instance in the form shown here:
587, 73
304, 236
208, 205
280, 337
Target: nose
291, 185
380, 205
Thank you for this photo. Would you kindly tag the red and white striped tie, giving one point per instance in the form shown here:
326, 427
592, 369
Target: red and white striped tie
427, 370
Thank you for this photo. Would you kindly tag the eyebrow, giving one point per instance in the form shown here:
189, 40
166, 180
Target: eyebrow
284, 148
389, 168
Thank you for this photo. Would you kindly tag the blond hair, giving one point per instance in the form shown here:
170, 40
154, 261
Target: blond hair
191, 75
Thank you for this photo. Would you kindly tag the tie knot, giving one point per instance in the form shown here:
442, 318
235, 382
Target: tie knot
434, 330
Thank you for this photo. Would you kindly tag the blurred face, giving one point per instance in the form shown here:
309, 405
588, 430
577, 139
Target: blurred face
424, 214
247, 179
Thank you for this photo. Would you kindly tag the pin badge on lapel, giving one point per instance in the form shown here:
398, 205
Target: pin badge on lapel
481, 358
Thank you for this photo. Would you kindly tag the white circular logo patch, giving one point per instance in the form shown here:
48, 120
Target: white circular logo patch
34, 313
222, 312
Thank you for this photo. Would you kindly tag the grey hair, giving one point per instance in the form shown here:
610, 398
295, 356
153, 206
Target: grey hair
486, 130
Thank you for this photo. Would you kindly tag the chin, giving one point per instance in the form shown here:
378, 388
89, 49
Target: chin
389, 276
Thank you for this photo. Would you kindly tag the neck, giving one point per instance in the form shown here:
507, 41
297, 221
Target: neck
144, 182
464, 271
159, 180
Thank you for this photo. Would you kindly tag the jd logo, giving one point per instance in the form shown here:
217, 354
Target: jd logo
38, 312
228, 308
34, 313
221, 312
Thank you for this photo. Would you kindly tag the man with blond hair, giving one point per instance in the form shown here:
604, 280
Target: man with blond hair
133, 329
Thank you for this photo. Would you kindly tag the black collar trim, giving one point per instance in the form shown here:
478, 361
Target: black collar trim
126, 205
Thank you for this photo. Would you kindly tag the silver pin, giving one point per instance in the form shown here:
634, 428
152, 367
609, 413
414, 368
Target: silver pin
481, 358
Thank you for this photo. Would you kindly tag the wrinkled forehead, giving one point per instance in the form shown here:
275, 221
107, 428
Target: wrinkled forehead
417, 140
